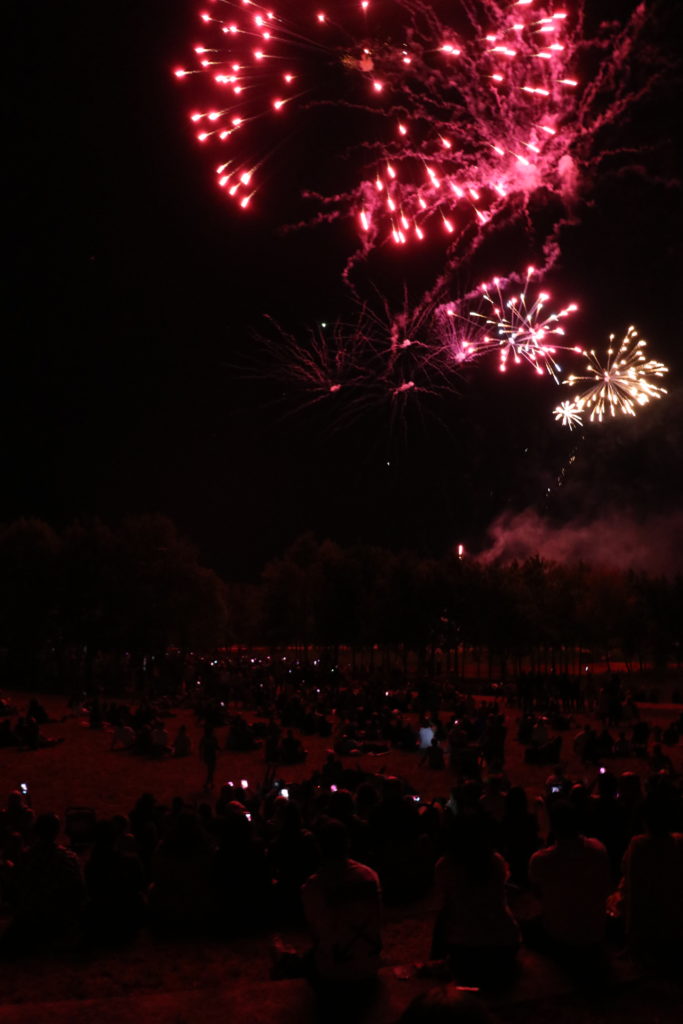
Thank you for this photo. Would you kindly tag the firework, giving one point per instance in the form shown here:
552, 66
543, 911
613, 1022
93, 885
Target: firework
518, 327
625, 381
568, 414
376, 357
457, 123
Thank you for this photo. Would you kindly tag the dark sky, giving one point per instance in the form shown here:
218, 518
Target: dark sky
133, 292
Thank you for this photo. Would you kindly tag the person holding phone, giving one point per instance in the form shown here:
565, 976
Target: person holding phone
17, 816
557, 785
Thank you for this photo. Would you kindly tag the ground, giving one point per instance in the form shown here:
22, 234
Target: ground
83, 771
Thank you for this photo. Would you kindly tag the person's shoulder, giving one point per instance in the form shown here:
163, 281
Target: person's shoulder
362, 871
543, 861
635, 842
500, 861
312, 884
594, 845
67, 856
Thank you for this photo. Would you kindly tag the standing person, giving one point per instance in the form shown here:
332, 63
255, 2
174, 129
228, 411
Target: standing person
208, 750
182, 744
425, 734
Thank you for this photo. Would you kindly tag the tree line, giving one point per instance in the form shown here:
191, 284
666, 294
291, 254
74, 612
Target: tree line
140, 588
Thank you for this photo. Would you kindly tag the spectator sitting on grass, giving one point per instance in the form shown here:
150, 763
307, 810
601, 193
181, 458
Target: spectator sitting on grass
652, 884
240, 873
37, 711
123, 738
180, 896
475, 928
115, 883
29, 736
160, 740
519, 834
572, 880
48, 890
293, 854
557, 785
342, 904
292, 749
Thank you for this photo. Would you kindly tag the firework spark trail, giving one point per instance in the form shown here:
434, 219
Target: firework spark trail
470, 118
518, 328
375, 357
569, 415
624, 381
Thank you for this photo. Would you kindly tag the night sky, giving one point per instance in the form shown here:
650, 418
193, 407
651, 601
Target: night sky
131, 380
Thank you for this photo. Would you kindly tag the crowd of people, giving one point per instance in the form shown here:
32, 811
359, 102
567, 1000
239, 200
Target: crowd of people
602, 856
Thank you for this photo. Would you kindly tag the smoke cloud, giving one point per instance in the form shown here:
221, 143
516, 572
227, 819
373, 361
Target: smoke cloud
616, 540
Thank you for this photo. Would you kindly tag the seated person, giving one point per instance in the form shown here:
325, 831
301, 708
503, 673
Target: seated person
572, 880
292, 749
160, 740
240, 735
116, 885
557, 785
48, 889
474, 927
342, 904
123, 738
652, 884
37, 711
181, 896
604, 744
32, 737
